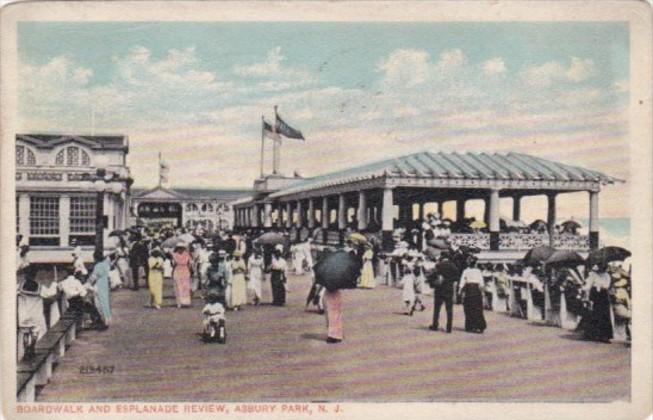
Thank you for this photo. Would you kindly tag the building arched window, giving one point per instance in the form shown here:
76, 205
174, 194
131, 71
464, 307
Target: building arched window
72, 156
24, 156
207, 207
191, 207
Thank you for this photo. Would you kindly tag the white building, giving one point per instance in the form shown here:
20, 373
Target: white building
187, 207
56, 201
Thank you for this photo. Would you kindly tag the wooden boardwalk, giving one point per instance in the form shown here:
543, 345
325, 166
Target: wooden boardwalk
279, 354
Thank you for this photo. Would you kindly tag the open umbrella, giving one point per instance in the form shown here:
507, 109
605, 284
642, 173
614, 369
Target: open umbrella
270, 238
187, 237
439, 243
538, 254
431, 252
565, 257
358, 238
539, 224
477, 224
337, 270
116, 232
170, 242
570, 224
607, 254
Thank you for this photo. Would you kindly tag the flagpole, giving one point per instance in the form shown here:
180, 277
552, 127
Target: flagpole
262, 143
276, 159
160, 183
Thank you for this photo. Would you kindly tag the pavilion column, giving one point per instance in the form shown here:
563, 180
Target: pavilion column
386, 215
440, 204
486, 211
300, 215
460, 209
267, 215
311, 213
551, 217
516, 208
342, 215
594, 220
288, 215
362, 210
493, 215
325, 213
420, 211
255, 216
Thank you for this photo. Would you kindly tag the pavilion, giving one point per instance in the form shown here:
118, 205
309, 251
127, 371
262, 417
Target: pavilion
367, 194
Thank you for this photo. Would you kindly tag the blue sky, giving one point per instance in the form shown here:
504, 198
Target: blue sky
358, 91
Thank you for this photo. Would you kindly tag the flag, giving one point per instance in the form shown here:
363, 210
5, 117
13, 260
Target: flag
269, 132
164, 170
287, 131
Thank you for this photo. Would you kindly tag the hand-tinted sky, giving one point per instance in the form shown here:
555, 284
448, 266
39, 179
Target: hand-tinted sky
358, 91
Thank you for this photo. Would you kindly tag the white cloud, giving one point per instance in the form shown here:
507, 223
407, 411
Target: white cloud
450, 60
494, 66
407, 67
544, 75
580, 69
274, 75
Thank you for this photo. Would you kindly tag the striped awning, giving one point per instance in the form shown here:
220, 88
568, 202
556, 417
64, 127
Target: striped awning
461, 166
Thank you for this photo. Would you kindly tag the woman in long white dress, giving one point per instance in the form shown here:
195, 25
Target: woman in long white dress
255, 270
238, 283
408, 284
367, 273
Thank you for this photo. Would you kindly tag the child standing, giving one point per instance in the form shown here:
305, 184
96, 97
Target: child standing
408, 283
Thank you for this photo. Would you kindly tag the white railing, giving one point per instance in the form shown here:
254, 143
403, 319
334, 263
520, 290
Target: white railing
519, 241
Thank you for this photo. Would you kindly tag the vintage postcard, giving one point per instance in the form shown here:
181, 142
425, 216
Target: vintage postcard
328, 210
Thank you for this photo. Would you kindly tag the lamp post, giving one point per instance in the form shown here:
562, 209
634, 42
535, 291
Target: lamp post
104, 181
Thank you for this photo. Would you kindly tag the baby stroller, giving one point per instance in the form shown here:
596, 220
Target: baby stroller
214, 319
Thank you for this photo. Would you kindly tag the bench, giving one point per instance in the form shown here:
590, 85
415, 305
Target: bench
48, 350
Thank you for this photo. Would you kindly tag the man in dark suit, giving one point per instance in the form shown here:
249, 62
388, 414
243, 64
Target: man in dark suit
138, 258
442, 280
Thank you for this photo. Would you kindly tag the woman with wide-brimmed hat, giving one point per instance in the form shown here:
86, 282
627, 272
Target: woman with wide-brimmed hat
597, 324
471, 282
181, 274
155, 279
279, 269
238, 283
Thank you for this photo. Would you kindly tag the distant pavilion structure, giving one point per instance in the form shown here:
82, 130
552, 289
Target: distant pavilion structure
367, 195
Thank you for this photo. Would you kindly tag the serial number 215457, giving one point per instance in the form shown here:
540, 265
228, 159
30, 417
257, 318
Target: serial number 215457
91, 369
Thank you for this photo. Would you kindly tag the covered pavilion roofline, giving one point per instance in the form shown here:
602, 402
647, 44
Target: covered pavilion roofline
454, 170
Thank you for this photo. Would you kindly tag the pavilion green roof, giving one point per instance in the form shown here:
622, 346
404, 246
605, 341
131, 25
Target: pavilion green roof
443, 165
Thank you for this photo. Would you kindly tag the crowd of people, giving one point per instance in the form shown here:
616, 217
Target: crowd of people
228, 271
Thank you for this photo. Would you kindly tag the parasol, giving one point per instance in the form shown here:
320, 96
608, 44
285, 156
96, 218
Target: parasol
539, 224
477, 224
432, 252
187, 237
607, 254
570, 224
270, 238
565, 257
439, 243
337, 270
170, 242
538, 254
116, 232
358, 239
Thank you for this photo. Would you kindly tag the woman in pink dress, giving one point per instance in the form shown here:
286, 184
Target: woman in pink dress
333, 311
181, 275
